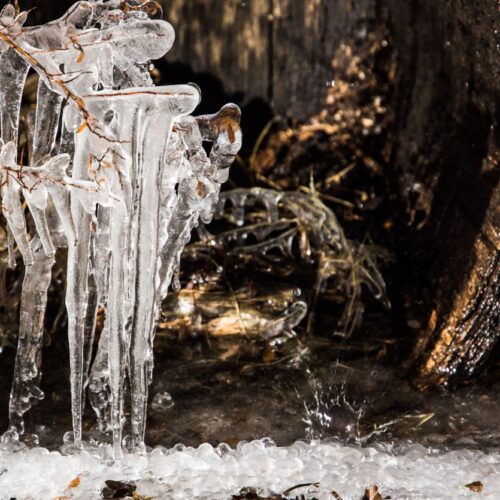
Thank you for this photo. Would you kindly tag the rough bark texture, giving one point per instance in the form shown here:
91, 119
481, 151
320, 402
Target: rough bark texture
277, 50
445, 155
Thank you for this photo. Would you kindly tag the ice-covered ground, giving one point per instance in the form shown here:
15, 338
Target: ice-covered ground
411, 472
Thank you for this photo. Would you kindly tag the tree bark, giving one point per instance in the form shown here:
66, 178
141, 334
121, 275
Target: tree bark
447, 159
276, 50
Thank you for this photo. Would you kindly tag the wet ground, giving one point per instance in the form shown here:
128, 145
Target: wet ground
318, 388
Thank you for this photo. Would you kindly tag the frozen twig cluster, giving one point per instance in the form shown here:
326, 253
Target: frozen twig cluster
303, 221
119, 175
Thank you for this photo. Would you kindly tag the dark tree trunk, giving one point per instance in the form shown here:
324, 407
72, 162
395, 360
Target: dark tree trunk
445, 160
277, 50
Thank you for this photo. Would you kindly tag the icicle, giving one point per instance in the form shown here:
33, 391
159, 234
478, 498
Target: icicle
11, 201
163, 109
25, 385
130, 182
99, 391
48, 112
12, 78
77, 294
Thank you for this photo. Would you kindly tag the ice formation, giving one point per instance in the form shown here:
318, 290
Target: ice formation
208, 473
119, 175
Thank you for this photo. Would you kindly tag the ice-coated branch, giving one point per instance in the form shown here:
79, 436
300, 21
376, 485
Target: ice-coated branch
119, 167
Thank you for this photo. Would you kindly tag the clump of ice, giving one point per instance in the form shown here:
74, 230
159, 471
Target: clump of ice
119, 174
216, 473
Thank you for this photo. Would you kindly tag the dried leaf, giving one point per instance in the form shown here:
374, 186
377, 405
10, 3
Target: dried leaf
253, 494
118, 489
372, 493
269, 354
475, 486
74, 482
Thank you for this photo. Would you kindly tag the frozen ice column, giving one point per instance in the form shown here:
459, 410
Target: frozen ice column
153, 135
88, 62
141, 123
140, 181
199, 181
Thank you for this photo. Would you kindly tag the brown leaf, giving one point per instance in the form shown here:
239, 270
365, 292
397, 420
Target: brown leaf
475, 486
372, 493
118, 489
201, 189
136, 496
74, 482
253, 494
269, 354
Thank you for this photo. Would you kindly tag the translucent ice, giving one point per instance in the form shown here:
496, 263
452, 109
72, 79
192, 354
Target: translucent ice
131, 180
305, 470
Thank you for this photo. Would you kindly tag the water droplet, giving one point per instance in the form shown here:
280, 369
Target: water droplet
176, 283
10, 437
95, 385
128, 443
162, 401
32, 440
223, 449
179, 447
268, 442
69, 437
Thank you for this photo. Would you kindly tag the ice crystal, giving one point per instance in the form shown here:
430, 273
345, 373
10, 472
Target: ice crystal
119, 175
301, 471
